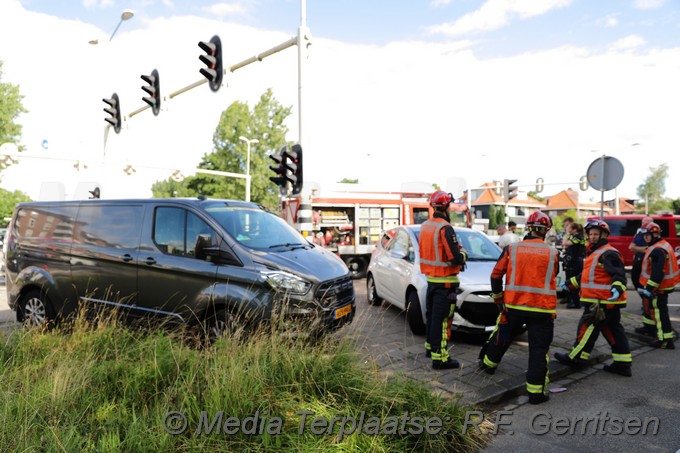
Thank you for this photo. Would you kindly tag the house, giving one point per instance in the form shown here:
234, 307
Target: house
561, 202
489, 195
625, 205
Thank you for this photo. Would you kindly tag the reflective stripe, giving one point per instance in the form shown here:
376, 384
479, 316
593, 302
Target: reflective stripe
596, 282
532, 388
622, 358
447, 279
536, 309
581, 344
437, 229
512, 285
671, 269
488, 362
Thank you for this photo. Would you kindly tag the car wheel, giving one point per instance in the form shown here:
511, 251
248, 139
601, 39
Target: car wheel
357, 267
219, 324
36, 310
371, 292
414, 314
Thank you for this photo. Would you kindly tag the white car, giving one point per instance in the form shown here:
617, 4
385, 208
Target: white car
394, 276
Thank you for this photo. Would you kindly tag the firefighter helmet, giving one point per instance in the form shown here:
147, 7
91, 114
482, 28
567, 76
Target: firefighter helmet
651, 227
599, 224
539, 220
440, 199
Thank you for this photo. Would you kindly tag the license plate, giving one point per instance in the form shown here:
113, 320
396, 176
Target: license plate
343, 311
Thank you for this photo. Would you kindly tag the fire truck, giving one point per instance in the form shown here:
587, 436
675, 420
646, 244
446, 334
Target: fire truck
349, 222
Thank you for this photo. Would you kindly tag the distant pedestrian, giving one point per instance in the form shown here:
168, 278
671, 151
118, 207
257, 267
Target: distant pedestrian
508, 236
530, 267
441, 259
603, 291
658, 277
638, 246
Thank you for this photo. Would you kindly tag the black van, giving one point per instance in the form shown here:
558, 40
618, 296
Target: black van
185, 260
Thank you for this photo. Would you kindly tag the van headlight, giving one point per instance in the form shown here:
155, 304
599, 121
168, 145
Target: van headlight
283, 281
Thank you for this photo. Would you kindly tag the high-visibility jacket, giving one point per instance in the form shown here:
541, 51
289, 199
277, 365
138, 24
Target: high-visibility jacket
596, 283
530, 278
671, 274
435, 255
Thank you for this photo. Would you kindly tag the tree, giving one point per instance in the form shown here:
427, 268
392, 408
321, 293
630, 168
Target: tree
7, 201
653, 189
265, 123
348, 181
10, 108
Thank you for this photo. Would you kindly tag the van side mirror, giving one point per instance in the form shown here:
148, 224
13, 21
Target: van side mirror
206, 249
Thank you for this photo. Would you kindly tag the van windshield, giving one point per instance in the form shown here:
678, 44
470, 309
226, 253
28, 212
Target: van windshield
257, 229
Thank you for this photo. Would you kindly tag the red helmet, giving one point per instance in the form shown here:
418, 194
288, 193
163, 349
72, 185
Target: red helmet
597, 223
540, 220
440, 199
651, 227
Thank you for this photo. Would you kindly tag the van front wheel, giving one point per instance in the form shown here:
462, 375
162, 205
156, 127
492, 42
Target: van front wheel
36, 309
219, 324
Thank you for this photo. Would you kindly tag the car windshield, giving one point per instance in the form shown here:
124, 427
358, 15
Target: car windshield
257, 229
477, 245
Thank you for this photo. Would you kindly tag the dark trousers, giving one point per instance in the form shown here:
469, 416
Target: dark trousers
540, 331
439, 306
612, 330
656, 316
574, 295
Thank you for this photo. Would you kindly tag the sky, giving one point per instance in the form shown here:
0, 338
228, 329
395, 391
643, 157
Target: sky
451, 92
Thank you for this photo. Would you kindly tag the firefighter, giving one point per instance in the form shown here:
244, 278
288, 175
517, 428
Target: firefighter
441, 259
602, 286
658, 277
530, 267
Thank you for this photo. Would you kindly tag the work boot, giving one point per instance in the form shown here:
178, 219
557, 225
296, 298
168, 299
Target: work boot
538, 398
644, 330
619, 368
563, 357
665, 344
486, 368
448, 365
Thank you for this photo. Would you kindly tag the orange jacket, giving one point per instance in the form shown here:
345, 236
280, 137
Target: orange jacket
596, 282
671, 274
530, 268
436, 257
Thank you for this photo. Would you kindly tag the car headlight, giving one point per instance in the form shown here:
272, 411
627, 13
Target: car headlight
289, 283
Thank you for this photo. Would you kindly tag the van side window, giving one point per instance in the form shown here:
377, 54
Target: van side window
53, 223
677, 228
664, 227
101, 225
176, 231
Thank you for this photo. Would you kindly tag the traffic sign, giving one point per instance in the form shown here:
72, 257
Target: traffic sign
605, 173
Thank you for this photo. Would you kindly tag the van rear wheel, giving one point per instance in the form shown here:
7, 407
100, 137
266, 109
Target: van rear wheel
36, 310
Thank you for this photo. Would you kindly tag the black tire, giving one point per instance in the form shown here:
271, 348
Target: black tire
371, 292
218, 324
37, 310
414, 314
357, 267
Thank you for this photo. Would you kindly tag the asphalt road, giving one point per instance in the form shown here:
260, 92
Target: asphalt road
615, 409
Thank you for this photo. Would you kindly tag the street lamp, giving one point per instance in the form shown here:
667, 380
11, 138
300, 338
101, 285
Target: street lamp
248, 142
126, 15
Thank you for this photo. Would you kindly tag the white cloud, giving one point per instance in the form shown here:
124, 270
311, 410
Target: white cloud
98, 3
223, 10
610, 21
495, 14
628, 43
438, 3
648, 4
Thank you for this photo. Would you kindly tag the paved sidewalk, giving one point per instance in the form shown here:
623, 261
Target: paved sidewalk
383, 335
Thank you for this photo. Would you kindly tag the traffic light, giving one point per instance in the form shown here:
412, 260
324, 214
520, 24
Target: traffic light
113, 109
280, 170
213, 60
294, 166
153, 89
509, 191
539, 185
583, 183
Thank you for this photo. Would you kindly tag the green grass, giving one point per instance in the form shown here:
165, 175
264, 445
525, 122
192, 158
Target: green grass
109, 389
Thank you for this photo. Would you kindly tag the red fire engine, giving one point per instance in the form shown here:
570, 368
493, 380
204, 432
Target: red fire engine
349, 222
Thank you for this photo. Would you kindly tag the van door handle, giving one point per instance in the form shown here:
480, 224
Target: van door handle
127, 258
150, 261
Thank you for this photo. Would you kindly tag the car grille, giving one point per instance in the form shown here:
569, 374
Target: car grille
335, 293
478, 308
